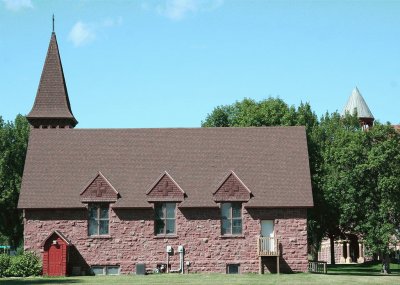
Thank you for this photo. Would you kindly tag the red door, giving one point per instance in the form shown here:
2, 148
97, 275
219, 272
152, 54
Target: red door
55, 260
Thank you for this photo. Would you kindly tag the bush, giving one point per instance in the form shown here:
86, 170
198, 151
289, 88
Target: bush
20, 250
27, 264
5, 262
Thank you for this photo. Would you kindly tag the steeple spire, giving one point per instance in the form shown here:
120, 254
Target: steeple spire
356, 103
52, 108
53, 23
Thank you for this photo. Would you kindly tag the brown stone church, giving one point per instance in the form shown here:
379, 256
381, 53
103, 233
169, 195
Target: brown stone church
119, 201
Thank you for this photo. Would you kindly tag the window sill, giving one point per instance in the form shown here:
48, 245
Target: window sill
165, 236
100, 237
232, 236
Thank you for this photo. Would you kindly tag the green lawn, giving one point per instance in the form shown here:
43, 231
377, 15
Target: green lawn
340, 274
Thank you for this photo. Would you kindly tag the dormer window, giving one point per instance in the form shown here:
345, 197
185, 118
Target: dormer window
99, 194
231, 193
231, 218
165, 218
98, 219
165, 193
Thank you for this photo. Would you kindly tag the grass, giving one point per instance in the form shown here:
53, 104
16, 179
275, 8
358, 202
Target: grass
366, 269
337, 274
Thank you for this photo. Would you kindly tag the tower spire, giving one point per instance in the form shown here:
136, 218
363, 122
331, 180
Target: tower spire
356, 103
52, 108
53, 22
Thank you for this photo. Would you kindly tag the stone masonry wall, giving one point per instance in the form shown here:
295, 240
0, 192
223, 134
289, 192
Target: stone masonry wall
132, 238
324, 254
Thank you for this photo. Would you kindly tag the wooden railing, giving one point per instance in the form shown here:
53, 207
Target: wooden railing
317, 267
268, 246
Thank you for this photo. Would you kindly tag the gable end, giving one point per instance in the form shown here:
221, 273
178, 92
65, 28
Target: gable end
54, 234
232, 189
165, 189
99, 190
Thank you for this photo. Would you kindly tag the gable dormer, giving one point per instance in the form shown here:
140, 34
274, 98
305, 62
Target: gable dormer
99, 190
165, 189
231, 188
52, 108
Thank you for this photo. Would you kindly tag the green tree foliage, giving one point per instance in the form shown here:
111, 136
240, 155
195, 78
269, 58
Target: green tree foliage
5, 263
26, 264
13, 145
360, 180
247, 113
339, 149
372, 205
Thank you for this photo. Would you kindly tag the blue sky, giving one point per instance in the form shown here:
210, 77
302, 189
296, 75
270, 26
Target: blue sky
168, 63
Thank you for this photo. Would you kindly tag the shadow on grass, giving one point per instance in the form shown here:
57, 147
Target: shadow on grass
365, 269
38, 280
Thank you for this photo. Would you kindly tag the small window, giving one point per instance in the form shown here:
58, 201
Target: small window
112, 270
231, 218
98, 270
98, 219
232, 268
105, 270
165, 218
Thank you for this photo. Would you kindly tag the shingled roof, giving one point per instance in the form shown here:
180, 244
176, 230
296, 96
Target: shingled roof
52, 100
271, 161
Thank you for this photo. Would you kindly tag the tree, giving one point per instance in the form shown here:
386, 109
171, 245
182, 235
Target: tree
249, 113
372, 204
13, 145
341, 149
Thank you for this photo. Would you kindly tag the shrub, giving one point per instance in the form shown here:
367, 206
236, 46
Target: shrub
27, 264
19, 250
5, 262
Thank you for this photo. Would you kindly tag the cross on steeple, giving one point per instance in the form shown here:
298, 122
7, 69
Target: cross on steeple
165, 188
100, 189
53, 23
232, 190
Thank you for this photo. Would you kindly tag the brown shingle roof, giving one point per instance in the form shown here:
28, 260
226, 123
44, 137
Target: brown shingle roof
52, 96
271, 161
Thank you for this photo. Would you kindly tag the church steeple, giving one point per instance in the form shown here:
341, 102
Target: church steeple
52, 108
356, 103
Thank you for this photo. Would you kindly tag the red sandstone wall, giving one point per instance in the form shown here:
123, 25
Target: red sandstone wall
132, 238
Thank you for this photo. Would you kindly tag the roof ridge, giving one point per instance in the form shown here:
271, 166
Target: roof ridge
189, 128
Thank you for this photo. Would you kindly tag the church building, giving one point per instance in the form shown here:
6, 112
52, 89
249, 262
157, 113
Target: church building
120, 201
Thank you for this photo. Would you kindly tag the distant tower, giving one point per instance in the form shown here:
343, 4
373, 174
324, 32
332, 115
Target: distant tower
52, 108
356, 103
